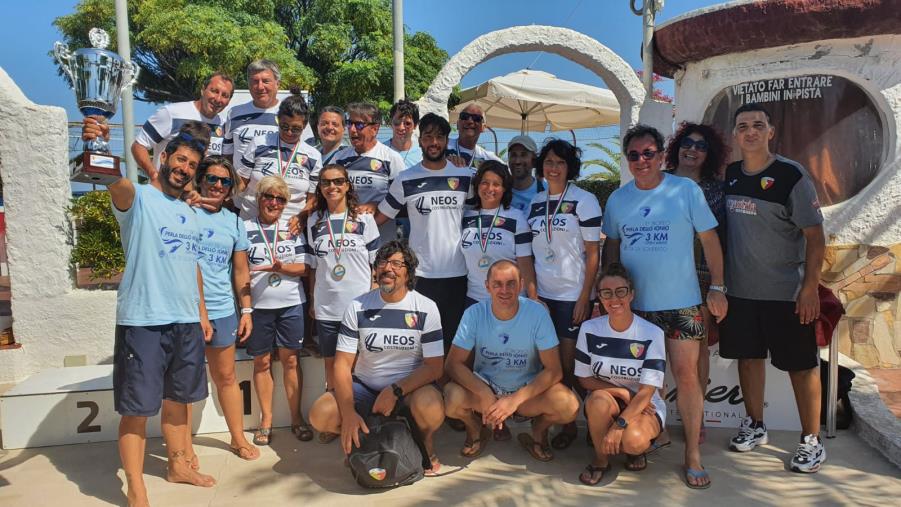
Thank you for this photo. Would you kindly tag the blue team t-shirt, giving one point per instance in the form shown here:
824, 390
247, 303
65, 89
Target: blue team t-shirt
506, 351
656, 229
161, 240
221, 234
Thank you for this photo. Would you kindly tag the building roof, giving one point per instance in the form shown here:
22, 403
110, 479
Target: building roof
746, 25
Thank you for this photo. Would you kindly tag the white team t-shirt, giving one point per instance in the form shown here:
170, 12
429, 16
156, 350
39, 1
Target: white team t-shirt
358, 245
371, 172
509, 238
244, 123
160, 128
270, 290
299, 166
434, 200
628, 359
560, 265
472, 157
390, 339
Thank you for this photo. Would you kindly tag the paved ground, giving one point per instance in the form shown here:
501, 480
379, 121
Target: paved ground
312, 474
889, 382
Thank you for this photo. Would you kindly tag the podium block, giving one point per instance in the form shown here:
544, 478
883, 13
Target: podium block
75, 405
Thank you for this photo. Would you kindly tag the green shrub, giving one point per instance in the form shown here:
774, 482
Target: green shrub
600, 188
98, 245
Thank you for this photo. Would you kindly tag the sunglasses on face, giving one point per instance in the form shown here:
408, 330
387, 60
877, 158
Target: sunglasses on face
394, 264
687, 143
290, 130
277, 198
359, 125
211, 179
197, 144
633, 156
619, 292
338, 182
477, 118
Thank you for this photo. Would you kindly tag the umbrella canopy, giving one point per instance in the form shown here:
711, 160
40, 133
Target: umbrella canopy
531, 100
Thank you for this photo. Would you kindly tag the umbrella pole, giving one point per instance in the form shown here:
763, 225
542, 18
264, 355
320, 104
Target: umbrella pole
522, 128
574, 136
493, 133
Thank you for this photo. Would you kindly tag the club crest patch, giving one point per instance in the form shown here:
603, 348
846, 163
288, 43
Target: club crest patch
411, 319
637, 350
767, 182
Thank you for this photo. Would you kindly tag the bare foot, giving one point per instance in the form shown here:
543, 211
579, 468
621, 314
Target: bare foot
180, 472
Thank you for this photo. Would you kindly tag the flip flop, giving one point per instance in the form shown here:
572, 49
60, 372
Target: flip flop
502, 434
302, 431
696, 474
249, 456
326, 437
564, 439
636, 462
529, 443
262, 436
436, 467
592, 469
656, 447
482, 442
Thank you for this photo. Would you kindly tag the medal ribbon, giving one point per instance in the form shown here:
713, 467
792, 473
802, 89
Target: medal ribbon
483, 244
548, 218
283, 167
331, 235
270, 246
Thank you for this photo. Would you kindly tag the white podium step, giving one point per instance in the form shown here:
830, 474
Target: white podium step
75, 405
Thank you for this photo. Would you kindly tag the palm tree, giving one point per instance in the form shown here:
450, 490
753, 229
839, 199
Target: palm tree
610, 165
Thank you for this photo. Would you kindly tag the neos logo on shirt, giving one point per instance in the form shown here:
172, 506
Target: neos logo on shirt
379, 342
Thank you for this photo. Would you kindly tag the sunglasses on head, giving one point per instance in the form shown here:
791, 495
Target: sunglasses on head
325, 182
277, 198
195, 143
633, 156
687, 143
464, 116
212, 179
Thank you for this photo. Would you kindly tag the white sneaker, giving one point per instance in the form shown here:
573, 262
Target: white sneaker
809, 456
748, 436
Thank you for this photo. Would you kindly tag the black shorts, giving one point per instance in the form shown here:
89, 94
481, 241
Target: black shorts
562, 317
752, 328
449, 295
328, 336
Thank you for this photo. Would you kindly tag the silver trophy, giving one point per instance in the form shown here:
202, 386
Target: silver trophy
99, 77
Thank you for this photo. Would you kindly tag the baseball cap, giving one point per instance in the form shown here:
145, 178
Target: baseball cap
524, 141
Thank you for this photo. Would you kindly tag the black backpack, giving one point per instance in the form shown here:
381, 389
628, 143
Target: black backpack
389, 455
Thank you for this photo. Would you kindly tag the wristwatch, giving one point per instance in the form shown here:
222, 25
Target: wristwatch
245, 311
717, 288
397, 391
622, 423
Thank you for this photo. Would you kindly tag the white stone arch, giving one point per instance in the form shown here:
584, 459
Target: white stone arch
574, 46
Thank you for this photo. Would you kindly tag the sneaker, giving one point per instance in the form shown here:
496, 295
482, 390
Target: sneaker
809, 456
748, 436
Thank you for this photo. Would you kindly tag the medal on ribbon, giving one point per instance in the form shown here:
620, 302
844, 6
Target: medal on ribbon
339, 270
270, 247
283, 166
485, 261
549, 220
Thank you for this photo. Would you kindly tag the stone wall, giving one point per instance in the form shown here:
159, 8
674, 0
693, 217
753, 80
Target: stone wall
867, 280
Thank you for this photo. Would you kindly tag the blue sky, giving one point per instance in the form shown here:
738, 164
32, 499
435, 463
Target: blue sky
27, 34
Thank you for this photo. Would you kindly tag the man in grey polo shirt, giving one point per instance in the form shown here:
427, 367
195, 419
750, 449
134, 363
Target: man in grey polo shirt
774, 255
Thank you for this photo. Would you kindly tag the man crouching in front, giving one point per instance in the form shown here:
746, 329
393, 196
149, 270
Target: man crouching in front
394, 333
516, 369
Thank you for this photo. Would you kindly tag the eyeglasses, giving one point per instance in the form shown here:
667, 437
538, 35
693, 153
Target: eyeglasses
619, 292
360, 125
394, 263
464, 116
277, 198
338, 182
290, 130
633, 156
687, 143
212, 179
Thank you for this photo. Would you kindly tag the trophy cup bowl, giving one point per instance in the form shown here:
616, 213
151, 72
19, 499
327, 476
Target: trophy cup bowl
99, 77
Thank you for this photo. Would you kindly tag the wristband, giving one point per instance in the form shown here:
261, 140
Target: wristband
246, 311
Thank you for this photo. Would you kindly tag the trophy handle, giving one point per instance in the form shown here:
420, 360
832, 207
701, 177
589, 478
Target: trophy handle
130, 70
64, 57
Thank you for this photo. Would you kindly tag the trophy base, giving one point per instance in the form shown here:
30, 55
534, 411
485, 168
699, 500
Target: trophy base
94, 168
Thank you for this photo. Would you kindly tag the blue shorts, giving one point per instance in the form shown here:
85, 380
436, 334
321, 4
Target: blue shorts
327, 330
152, 363
562, 317
225, 331
276, 328
365, 396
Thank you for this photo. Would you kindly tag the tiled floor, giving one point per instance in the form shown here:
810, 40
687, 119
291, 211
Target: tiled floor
889, 382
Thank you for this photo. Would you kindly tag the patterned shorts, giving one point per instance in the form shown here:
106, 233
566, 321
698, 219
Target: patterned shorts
681, 324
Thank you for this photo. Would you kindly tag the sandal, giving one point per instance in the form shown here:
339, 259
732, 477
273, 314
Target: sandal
636, 462
481, 442
696, 474
262, 436
502, 434
436, 466
543, 452
245, 452
591, 470
655, 446
326, 437
302, 431
564, 439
